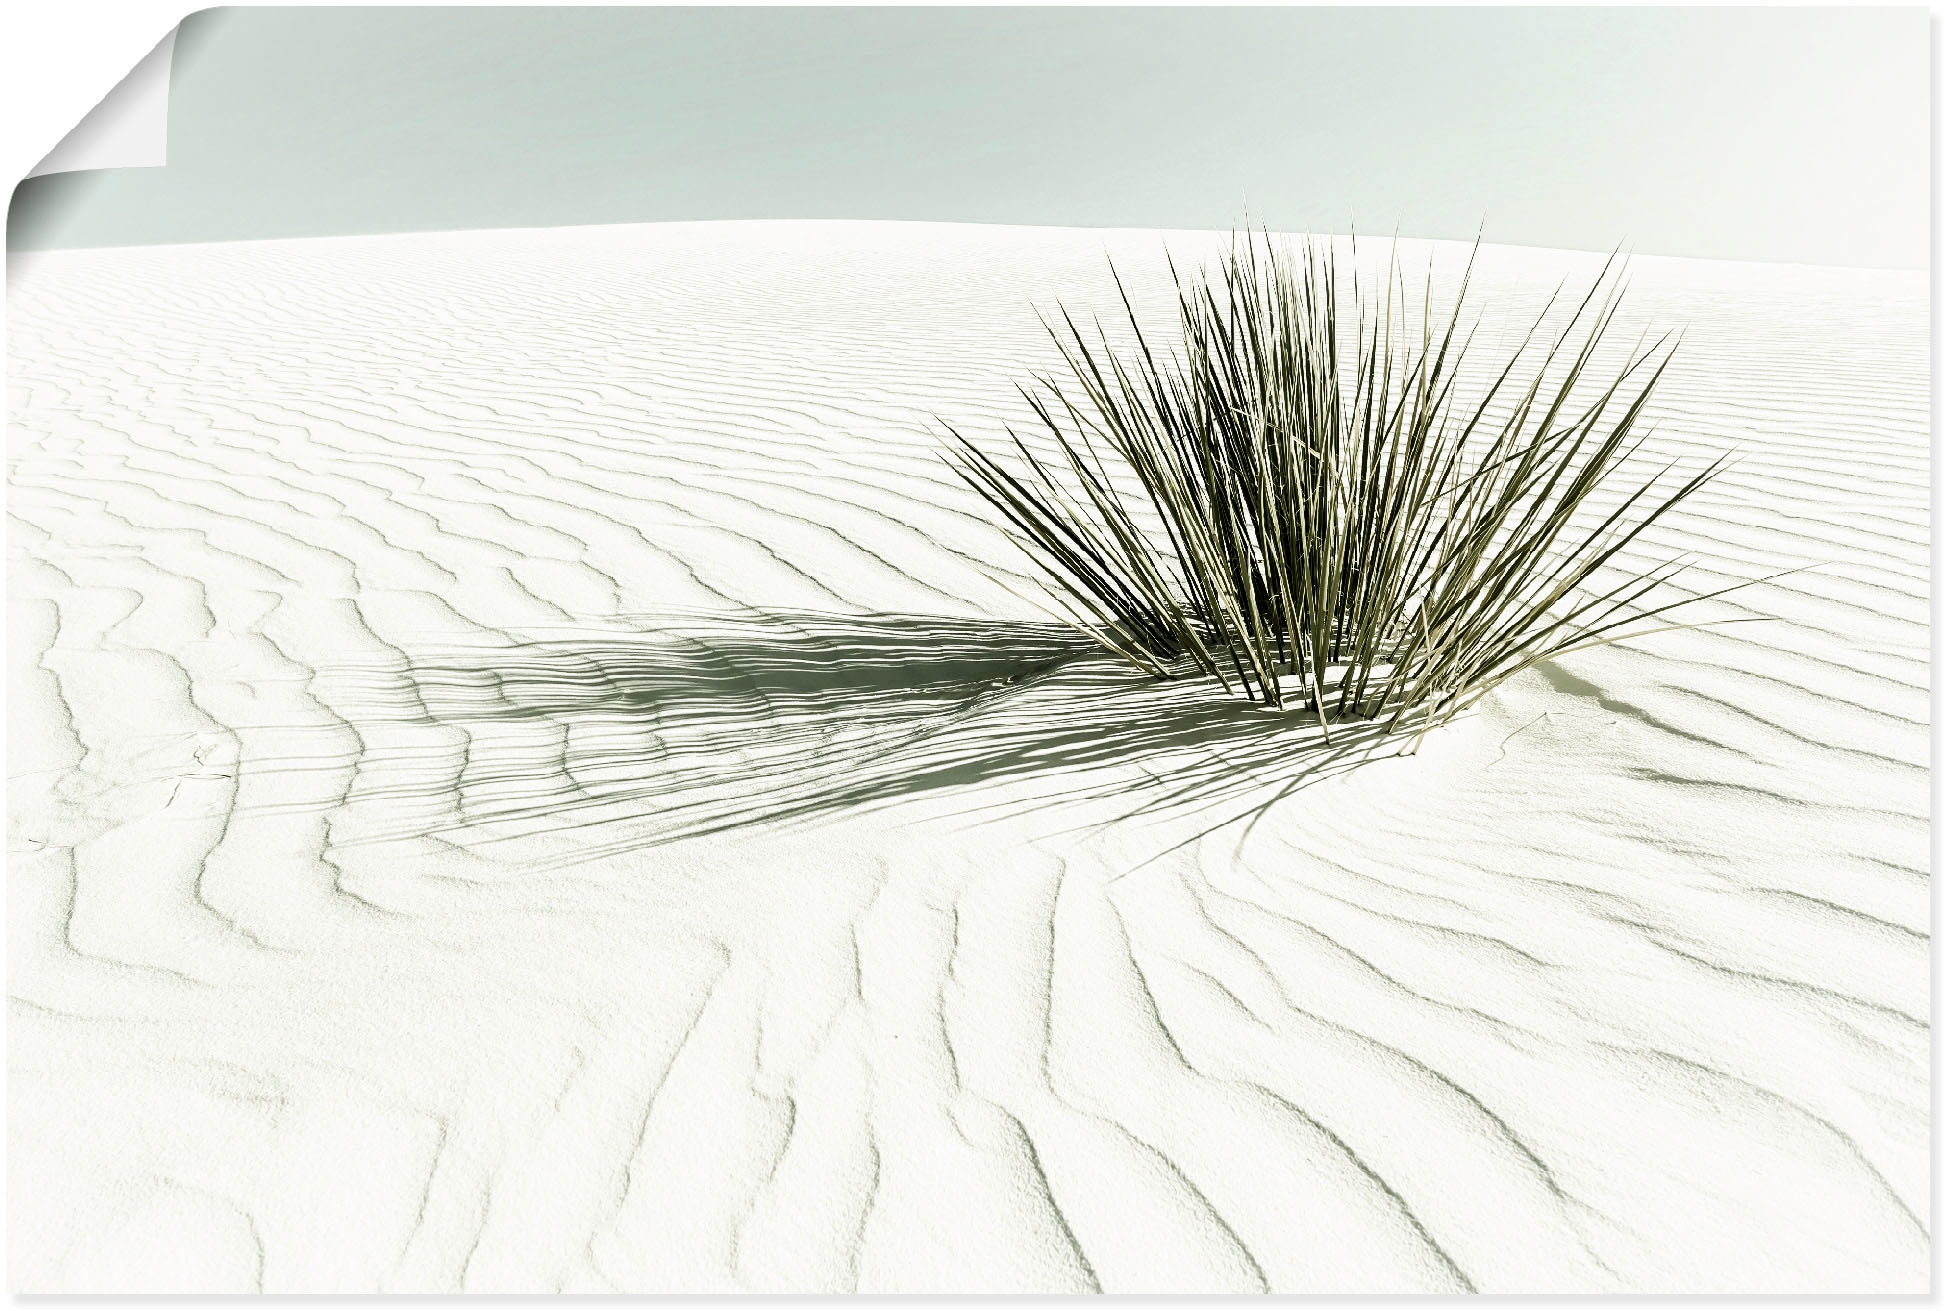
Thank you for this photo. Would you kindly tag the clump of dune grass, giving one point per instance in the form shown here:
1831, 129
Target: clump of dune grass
1321, 520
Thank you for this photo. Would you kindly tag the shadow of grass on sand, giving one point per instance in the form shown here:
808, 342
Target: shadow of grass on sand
702, 725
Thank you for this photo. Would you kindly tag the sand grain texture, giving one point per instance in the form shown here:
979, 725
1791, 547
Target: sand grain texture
526, 773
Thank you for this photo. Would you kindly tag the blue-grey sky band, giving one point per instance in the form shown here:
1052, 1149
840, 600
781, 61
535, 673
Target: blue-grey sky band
1756, 133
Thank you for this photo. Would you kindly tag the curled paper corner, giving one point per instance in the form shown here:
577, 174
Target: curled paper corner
129, 128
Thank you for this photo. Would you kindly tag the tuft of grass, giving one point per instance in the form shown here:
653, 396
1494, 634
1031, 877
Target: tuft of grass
1321, 519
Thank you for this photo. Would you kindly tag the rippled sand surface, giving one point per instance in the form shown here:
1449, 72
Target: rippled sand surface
527, 772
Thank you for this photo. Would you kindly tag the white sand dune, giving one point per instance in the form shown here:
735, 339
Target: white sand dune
526, 773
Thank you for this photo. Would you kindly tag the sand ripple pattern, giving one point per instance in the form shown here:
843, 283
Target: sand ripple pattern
526, 773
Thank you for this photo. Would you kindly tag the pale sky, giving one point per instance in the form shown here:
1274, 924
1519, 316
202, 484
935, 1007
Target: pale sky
1796, 135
